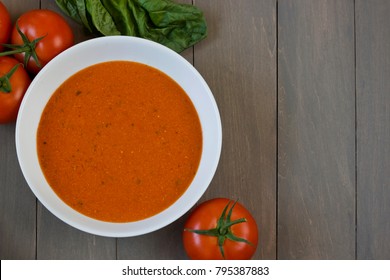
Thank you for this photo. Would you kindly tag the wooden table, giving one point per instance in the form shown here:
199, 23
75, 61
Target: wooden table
303, 89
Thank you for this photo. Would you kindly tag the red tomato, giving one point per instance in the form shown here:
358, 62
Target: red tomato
208, 236
18, 82
5, 25
56, 35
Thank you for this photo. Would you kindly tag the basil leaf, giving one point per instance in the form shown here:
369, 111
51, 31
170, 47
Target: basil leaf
82, 11
123, 13
101, 18
76, 9
70, 8
177, 26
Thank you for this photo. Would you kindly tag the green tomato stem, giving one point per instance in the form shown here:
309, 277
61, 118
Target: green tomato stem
5, 84
227, 226
15, 51
28, 48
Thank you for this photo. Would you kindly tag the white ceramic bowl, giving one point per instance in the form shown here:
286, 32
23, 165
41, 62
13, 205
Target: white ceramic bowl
103, 49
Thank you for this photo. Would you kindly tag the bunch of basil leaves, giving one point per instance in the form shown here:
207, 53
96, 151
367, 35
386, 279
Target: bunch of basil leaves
177, 26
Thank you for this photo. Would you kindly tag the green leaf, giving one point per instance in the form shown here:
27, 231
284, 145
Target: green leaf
123, 13
82, 12
77, 10
69, 7
177, 26
101, 18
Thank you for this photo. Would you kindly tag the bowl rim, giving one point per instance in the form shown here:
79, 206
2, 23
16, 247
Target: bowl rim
24, 132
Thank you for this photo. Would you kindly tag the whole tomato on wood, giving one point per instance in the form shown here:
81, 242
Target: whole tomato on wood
5, 25
14, 82
37, 37
220, 229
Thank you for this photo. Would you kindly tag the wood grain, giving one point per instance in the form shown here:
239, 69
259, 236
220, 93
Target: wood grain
59, 241
164, 244
373, 128
238, 60
316, 130
16, 8
17, 203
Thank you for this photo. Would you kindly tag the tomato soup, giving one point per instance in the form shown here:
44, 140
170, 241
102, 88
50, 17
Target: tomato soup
119, 141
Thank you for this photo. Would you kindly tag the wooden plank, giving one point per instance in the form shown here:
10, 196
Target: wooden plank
57, 240
16, 8
17, 203
238, 61
164, 244
316, 130
373, 128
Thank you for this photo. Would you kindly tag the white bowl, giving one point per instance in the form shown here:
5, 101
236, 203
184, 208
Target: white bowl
103, 49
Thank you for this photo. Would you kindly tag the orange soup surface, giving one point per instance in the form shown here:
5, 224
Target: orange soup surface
119, 141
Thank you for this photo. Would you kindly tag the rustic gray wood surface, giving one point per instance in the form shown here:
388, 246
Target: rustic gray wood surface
303, 91
373, 128
316, 130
